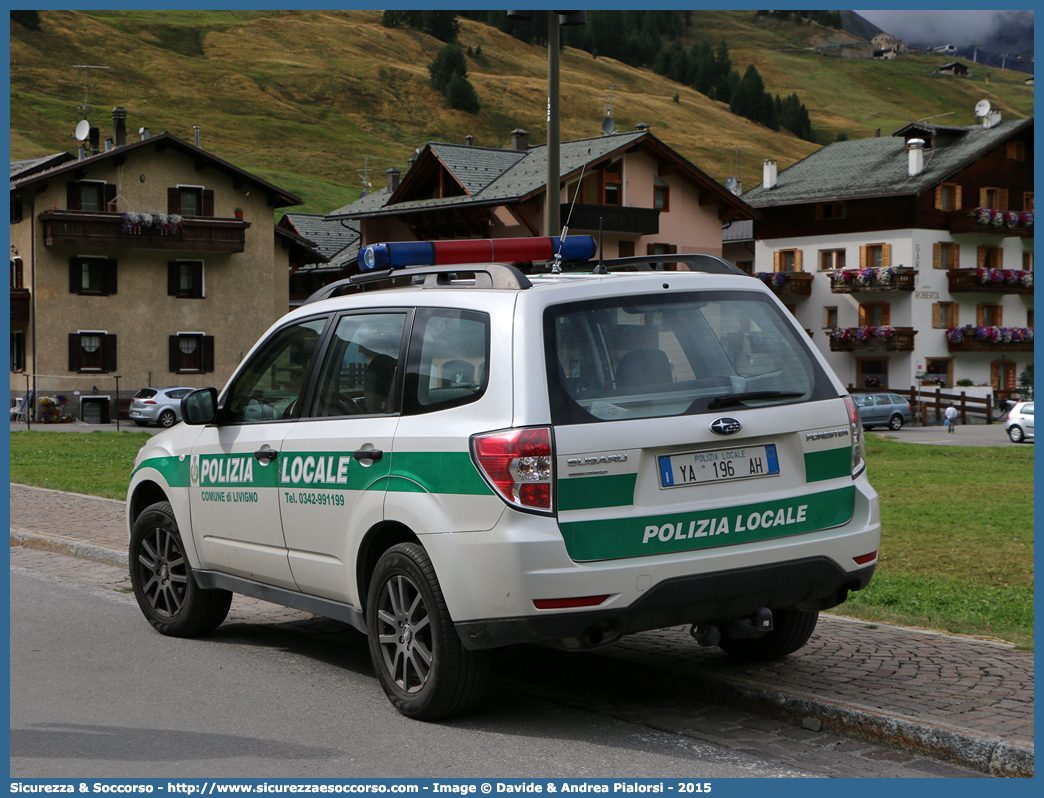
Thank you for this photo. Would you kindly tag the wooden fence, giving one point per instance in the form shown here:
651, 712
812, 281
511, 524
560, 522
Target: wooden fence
928, 406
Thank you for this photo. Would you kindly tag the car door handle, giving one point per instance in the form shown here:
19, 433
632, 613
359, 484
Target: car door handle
266, 455
368, 454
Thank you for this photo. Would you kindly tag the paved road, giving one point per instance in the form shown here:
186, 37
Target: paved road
964, 700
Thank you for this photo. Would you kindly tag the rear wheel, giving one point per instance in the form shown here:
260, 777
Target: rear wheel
1016, 434
162, 578
791, 630
422, 665
167, 418
895, 422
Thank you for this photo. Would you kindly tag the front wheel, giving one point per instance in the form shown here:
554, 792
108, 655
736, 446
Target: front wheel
1016, 434
791, 630
162, 578
421, 663
167, 418
895, 422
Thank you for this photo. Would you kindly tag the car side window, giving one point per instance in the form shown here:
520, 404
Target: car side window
270, 385
883, 400
1028, 410
448, 357
896, 400
360, 366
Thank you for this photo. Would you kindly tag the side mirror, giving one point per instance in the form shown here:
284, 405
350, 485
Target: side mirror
200, 407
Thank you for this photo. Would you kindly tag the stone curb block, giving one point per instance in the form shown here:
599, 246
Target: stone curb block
71, 548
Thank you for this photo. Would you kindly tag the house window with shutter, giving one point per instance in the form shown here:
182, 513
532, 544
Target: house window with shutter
830, 259
831, 210
92, 276
944, 315
185, 279
16, 210
993, 197
946, 255
875, 314
663, 249
990, 257
90, 195
948, 197
1027, 261
613, 177
872, 372
1027, 202
786, 260
17, 350
989, 314
190, 201
939, 368
191, 353
876, 256
92, 350
662, 198
1002, 375
626, 249
831, 317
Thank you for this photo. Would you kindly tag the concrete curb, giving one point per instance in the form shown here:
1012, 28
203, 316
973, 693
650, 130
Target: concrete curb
970, 749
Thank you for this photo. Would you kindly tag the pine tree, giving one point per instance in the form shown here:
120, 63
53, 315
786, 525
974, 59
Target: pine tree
460, 94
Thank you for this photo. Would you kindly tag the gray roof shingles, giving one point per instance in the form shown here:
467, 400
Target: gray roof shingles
876, 167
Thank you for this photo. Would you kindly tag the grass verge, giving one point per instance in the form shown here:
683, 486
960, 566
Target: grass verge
957, 540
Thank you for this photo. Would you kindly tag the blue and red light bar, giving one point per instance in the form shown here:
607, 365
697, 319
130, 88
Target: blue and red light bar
402, 254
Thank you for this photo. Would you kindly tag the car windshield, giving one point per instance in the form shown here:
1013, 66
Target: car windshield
655, 355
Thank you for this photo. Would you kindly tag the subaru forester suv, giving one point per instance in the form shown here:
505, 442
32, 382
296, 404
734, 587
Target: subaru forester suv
479, 452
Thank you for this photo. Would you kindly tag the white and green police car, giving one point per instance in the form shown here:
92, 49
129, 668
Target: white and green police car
480, 455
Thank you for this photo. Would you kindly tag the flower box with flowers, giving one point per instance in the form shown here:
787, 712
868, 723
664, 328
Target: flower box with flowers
989, 339
847, 339
990, 281
51, 408
788, 283
884, 278
992, 220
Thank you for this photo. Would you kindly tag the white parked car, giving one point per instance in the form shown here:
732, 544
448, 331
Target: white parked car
1019, 423
488, 455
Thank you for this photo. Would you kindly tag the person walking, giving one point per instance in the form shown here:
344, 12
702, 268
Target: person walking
951, 418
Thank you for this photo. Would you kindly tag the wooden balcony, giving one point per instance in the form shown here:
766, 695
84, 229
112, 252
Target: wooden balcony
851, 281
864, 339
19, 305
989, 339
614, 218
968, 222
787, 283
106, 231
990, 281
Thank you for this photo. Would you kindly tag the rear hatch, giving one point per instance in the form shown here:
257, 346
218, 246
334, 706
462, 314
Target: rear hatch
689, 421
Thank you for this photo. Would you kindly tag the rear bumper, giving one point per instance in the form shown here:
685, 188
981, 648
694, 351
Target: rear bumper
812, 583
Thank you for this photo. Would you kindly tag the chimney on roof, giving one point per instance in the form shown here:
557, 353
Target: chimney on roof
94, 137
195, 128
641, 126
393, 179
469, 139
119, 126
915, 148
768, 178
519, 140
143, 132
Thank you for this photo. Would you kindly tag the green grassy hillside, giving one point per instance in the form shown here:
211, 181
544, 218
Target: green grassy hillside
304, 98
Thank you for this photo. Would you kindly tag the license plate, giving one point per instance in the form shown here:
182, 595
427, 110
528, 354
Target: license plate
718, 465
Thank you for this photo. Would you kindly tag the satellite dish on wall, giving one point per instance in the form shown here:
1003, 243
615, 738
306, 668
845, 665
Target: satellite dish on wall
982, 108
731, 183
83, 129
608, 126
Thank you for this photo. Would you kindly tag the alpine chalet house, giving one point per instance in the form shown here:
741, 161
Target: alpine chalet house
909, 257
648, 199
151, 260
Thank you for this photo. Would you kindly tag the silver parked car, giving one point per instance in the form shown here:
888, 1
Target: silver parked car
157, 406
1019, 423
879, 409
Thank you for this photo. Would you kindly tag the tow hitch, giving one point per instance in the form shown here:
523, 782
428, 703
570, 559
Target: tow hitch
711, 633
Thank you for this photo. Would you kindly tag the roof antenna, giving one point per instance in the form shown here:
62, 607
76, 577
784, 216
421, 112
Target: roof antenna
556, 264
600, 268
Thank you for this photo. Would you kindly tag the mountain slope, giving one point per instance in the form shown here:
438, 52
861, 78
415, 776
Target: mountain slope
309, 99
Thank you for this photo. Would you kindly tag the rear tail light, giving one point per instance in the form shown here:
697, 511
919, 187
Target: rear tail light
147, 402
519, 465
855, 426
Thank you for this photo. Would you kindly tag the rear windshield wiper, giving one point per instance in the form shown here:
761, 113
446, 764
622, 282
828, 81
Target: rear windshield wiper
730, 399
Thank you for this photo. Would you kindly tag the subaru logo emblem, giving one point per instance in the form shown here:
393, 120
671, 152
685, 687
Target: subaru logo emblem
725, 426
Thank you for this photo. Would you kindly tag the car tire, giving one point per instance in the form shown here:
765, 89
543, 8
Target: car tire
141, 423
791, 630
167, 418
895, 423
1016, 434
420, 661
162, 579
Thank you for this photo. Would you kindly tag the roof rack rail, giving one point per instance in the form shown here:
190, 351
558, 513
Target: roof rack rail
710, 264
487, 275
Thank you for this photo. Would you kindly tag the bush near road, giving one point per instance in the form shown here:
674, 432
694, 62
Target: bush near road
957, 540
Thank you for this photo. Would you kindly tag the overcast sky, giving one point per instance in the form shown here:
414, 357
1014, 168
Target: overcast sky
935, 28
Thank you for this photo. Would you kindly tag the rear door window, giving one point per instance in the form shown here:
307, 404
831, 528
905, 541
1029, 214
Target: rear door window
650, 356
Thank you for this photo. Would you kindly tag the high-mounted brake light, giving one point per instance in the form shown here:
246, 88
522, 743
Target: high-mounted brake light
519, 465
401, 254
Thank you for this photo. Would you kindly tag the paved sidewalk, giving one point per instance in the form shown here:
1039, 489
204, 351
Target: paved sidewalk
965, 700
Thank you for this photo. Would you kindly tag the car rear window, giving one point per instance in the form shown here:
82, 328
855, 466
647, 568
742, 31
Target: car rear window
145, 393
655, 355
